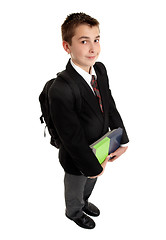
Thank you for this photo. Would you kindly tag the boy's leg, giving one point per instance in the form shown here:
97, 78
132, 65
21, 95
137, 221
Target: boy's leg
90, 208
74, 195
89, 186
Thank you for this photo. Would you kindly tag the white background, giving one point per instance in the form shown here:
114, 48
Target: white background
131, 193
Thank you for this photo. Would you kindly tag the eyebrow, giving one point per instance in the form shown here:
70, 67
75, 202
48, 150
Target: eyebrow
85, 37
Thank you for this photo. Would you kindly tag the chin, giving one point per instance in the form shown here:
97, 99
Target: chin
92, 61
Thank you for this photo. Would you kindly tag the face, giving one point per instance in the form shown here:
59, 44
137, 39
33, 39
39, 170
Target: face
85, 47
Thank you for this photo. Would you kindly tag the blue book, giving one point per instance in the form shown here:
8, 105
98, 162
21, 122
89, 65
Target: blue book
107, 144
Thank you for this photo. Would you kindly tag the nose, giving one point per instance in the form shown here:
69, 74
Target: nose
92, 49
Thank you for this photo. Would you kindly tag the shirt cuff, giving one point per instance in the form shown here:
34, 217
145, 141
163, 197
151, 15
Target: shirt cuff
124, 145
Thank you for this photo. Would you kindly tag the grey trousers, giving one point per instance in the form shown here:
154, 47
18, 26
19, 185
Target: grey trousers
77, 191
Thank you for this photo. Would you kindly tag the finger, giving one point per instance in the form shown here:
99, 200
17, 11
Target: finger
112, 155
113, 159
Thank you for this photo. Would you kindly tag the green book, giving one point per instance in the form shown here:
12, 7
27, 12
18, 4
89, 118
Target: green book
107, 144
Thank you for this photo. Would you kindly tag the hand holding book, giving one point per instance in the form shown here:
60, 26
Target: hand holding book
113, 156
107, 144
107, 149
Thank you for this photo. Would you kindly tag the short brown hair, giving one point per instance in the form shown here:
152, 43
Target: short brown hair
74, 20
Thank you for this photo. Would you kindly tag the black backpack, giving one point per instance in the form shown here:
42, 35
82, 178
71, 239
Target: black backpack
44, 104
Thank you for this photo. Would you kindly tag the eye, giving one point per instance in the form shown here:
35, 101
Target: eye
84, 42
96, 40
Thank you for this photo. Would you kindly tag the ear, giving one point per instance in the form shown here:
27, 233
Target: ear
66, 46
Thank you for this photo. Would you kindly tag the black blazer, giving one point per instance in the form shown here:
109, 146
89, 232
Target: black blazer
78, 130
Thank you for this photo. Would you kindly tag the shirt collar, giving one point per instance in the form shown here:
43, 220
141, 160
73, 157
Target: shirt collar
83, 73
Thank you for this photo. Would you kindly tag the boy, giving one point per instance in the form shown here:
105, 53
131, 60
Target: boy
81, 39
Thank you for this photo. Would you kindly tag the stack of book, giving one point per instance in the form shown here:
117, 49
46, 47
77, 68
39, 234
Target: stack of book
107, 144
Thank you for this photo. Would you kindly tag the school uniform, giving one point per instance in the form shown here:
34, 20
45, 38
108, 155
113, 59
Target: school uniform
77, 130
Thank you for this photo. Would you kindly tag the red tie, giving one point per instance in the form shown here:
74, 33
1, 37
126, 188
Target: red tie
96, 90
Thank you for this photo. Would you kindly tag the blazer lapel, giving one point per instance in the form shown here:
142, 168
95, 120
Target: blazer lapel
85, 90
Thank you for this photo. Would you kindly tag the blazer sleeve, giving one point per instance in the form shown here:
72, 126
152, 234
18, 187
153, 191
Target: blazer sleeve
69, 129
115, 119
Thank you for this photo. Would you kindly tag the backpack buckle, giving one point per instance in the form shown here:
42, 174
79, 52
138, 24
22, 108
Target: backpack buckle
42, 119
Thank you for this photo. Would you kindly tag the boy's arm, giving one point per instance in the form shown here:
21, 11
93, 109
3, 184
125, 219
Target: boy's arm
68, 126
115, 122
115, 119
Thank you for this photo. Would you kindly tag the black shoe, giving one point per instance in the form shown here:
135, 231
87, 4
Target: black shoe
91, 210
84, 222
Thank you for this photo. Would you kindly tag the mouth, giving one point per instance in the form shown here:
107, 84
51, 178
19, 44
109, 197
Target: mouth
91, 57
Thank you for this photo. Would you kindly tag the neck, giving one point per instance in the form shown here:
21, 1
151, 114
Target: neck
87, 69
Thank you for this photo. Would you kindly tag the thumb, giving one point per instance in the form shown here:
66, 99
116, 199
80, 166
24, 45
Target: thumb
111, 155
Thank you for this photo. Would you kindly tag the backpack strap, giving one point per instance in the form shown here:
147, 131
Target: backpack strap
74, 88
